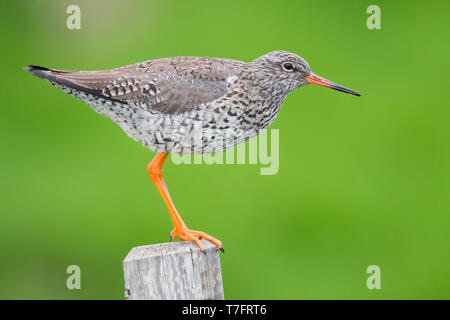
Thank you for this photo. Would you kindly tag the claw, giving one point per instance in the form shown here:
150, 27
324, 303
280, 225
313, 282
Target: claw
222, 249
191, 235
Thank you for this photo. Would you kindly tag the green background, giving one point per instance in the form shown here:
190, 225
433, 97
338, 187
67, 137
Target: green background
362, 181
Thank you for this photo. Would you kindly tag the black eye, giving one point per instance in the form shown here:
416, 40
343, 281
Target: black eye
288, 66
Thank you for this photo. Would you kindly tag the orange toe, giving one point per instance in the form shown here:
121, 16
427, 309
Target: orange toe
186, 234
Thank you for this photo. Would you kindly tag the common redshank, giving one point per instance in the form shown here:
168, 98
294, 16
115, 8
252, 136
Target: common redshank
160, 103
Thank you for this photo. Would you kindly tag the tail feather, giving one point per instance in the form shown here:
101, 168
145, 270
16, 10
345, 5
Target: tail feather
57, 77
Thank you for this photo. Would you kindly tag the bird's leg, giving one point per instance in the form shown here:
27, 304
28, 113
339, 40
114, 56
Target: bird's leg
180, 230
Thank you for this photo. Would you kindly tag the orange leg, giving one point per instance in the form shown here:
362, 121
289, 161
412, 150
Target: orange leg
180, 230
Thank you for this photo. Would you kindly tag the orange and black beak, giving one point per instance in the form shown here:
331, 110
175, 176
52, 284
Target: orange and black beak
315, 79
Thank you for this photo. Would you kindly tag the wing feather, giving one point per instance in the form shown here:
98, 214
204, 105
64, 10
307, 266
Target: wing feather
170, 85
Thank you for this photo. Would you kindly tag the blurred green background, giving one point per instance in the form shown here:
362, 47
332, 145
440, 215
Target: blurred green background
362, 181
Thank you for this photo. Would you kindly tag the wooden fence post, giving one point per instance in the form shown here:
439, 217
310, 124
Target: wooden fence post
173, 271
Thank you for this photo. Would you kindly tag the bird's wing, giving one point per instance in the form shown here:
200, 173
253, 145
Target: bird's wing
170, 85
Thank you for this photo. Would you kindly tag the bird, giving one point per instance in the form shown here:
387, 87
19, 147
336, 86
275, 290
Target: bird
163, 103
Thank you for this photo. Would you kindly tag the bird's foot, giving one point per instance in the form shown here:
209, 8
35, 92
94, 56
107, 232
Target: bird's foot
186, 234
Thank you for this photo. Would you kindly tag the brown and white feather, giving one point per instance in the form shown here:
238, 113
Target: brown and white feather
162, 103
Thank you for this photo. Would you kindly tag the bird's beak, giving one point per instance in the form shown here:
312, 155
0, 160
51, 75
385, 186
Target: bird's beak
315, 79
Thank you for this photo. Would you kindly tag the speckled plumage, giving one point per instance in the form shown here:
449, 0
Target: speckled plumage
189, 105
165, 103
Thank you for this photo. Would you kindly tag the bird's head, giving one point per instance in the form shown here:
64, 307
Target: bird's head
290, 72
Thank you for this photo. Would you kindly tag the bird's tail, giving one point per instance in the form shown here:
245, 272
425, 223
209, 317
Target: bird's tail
66, 78
41, 72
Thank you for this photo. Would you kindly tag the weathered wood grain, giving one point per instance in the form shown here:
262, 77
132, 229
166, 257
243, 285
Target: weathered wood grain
173, 271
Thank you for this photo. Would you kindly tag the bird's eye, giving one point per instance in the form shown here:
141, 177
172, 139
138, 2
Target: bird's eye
288, 66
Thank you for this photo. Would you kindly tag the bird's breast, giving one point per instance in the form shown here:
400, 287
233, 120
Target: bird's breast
210, 127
